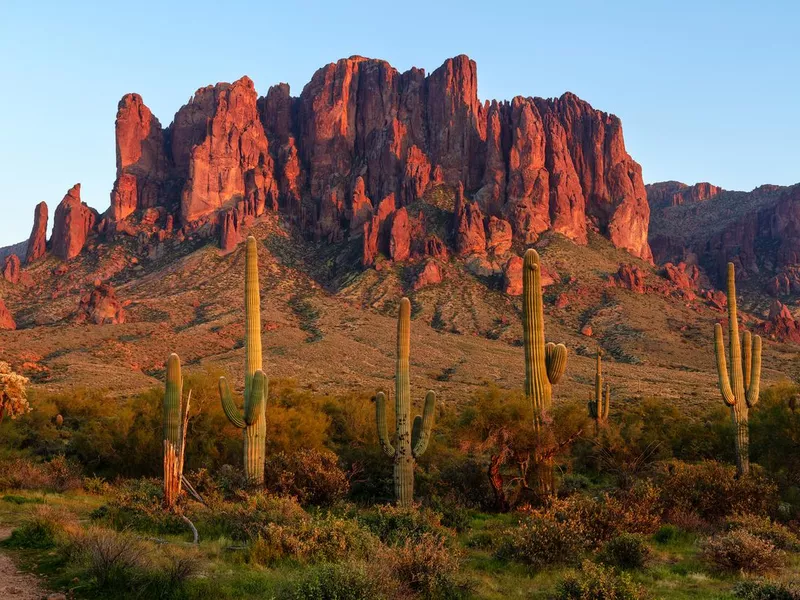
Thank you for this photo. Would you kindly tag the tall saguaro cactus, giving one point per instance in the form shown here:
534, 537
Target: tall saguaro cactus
598, 409
253, 420
740, 389
544, 362
175, 417
412, 441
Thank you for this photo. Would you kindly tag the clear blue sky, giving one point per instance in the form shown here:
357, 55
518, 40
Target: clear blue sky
707, 91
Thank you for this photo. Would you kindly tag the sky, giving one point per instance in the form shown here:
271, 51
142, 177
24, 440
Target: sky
706, 90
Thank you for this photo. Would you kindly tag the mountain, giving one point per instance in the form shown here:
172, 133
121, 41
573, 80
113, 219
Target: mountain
369, 185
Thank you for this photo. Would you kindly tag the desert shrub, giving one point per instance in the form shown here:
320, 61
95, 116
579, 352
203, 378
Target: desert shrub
543, 541
667, 534
626, 551
573, 483
739, 551
766, 529
43, 529
13, 393
428, 567
480, 540
394, 525
19, 500
312, 476
596, 582
462, 478
766, 590
336, 581
114, 564
96, 485
137, 504
251, 515
712, 490
113, 560
317, 540
58, 475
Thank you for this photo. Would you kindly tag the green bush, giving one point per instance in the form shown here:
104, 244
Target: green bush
626, 551
336, 581
543, 541
317, 540
137, 504
43, 529
666, 534
595, 582
394, 525
739, 551
766, 590
250, 516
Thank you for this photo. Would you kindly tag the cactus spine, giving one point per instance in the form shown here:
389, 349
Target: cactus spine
598, 409
740, 389
175, 417
544, 363
412, 441
253, 420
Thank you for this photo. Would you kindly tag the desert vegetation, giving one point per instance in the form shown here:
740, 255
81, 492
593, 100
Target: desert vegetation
176, 492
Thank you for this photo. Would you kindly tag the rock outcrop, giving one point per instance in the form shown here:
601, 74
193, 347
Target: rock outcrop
37, 242
6, 320
675, 193
72, 224
11, 269
630, 277
100, 306
781, 324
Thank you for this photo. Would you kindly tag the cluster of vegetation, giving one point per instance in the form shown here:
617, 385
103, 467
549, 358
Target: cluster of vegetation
508, 489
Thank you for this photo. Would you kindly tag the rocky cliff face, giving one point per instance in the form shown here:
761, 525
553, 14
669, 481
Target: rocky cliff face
361, 142
758, 231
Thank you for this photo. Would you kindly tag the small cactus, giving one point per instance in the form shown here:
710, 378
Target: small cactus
175, 417
598, 409
59, 420
253, 421
412, 440
740, 390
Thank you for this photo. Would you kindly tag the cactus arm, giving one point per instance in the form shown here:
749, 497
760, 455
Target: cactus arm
258, 393
556, 361
722, 367
380, 420
425, 425
607, 403
228, 406
755, 379
747, 352
416, 430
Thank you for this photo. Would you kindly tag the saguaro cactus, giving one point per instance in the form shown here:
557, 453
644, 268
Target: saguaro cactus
598, 409
253, 420
740, 389
544, 363
175, 417
412, 441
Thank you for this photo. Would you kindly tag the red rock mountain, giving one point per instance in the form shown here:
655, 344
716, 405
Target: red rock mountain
361, 142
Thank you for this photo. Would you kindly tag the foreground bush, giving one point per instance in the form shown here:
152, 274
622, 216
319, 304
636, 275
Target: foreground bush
429, 568
543, 541
43, 529
739, 551
626, 551
596, 582
317, 540
250, 516
712, 491
765, 590
394, 525
312, 476
58, 475
766, 529
336, 581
